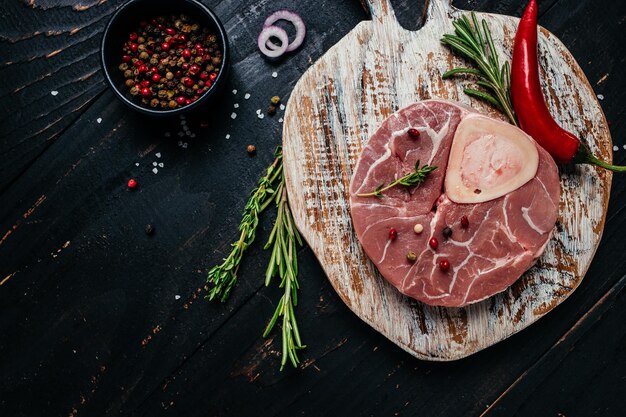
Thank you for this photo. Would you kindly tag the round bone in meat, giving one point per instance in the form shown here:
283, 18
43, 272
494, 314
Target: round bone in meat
504, 236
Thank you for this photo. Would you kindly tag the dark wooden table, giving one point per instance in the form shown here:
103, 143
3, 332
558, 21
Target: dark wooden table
97, 318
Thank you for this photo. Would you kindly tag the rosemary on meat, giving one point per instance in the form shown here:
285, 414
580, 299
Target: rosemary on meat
474, 42
222, 278
415, 177
284, 241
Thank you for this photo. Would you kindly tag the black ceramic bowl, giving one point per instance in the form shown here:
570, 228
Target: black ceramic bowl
126, 19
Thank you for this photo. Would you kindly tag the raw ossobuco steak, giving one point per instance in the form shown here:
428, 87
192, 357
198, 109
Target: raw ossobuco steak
494, 187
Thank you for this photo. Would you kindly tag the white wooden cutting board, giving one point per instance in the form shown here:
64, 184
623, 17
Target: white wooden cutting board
339, 103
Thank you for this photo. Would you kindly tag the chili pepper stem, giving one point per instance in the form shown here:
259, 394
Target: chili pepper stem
584, 156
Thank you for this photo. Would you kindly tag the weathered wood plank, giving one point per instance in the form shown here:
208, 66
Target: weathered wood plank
336, 106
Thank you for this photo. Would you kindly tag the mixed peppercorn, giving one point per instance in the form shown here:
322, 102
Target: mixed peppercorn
444, 264
170, 61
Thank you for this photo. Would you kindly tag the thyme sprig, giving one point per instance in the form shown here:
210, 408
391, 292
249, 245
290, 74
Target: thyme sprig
222, 278
415, 177
284, 241
474, 42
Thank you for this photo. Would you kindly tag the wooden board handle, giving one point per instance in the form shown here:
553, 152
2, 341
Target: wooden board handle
433, 9
378, 9
437, 10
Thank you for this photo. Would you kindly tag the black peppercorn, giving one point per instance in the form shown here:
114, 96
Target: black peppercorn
447, 232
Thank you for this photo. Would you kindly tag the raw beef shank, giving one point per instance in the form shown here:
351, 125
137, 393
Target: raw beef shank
494, 188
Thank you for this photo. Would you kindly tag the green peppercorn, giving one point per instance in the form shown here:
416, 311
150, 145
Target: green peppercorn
130, 83
173, 104
162, 94
411, 256
216, 61
128, 74
275, 100
134, 91
123, 66
144, 55
154, 102
210, 68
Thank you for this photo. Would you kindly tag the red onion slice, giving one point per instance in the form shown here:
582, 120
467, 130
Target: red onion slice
264, 38
295, 20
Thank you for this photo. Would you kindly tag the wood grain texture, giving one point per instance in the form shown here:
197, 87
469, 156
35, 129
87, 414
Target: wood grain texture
337, 105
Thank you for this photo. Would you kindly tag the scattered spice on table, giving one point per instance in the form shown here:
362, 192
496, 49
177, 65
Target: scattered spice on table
170, 62
251, 149
149, 229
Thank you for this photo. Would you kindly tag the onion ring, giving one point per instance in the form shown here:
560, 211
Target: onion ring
264, 37
290, 17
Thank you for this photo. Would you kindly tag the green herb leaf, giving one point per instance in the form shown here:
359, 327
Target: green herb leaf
415, 177
474, 42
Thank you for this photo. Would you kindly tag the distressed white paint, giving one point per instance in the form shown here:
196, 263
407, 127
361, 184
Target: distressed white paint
340, 101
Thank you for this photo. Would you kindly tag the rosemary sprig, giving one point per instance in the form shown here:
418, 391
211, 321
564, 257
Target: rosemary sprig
284, 241
222, 278
415, 177
476, 44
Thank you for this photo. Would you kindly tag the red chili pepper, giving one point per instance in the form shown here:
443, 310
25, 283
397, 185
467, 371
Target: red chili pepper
531, 109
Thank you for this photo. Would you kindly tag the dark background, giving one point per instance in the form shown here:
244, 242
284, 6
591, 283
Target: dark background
90, 323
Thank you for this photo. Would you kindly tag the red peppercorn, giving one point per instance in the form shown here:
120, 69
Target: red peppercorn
165, 46
154, 69
126, 58
132, 183
138, 63
213, 76
192, 99
178, 74
170, 31
185, 66
186, 53
444, 265
182, 38
414, 133
160, 26
199, 51
187, 101
133, 36
198, 45
464, 222
146, 92
393, 233
204, 76
133, 47
145, 83
188, 82
180, 100
433, 243
194, 69
143, 69
156, 77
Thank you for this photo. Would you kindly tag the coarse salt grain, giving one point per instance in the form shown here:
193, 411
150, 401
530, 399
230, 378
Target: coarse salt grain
185, 145
177, 297
54, 93
274, 74
280, 120
193, 135
236, 105
155, 170
136, 164
161, 165
167, 134
234, 91
282, 107
154, 163
247, 96
228, 136
615, 148
600, 97
158, 154
181, 134
99, 120
260, 116
624, 146
258, 111
233, 115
